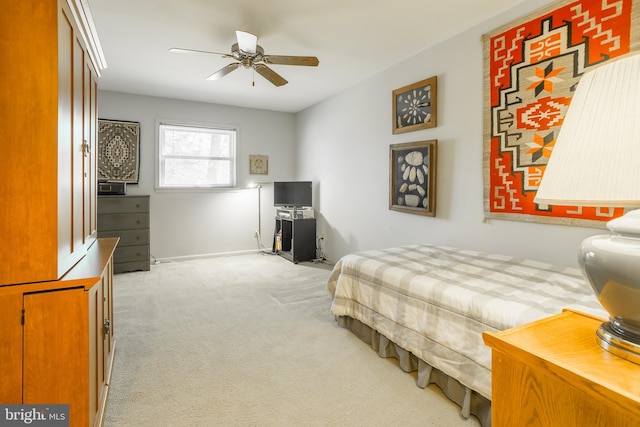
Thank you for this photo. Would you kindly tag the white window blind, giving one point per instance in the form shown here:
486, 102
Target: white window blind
191, 157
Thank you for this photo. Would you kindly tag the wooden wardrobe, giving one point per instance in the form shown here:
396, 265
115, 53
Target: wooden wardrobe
56, 312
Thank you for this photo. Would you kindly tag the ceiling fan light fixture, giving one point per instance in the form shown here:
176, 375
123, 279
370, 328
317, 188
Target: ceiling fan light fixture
247, 42
248, 54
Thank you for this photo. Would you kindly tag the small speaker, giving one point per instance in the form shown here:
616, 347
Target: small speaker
112, 188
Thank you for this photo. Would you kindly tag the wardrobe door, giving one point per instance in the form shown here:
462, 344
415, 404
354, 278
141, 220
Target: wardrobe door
11, 348
56, 351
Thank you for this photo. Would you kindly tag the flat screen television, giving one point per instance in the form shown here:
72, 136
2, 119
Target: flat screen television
293, 194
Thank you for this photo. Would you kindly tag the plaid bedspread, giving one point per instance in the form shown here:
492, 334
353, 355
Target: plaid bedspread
436, 301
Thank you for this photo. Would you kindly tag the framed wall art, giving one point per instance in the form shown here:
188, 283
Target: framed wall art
412, 177
531, 69
415, 106
118, 151
258, 164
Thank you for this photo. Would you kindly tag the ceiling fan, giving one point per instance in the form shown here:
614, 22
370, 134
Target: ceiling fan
248, 53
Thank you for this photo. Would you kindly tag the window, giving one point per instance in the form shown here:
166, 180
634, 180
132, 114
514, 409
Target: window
192, 157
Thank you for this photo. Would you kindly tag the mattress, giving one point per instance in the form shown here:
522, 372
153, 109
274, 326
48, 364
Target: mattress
435, 301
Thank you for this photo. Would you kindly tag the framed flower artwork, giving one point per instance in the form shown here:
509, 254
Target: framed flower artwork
415, 106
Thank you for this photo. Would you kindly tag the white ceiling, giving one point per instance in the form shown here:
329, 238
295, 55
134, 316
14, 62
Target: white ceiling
353, 39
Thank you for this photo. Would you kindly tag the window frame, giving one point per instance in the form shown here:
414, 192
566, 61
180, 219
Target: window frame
159, 158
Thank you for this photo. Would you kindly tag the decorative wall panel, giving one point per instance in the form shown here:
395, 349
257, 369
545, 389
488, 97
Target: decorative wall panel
118, 151
531, 69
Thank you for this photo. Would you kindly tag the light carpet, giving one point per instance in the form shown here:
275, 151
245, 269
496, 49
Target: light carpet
248, 340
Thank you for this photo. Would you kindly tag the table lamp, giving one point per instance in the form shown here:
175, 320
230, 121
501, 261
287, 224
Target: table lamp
596, 162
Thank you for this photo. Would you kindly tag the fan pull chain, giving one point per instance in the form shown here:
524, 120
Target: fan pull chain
253, 76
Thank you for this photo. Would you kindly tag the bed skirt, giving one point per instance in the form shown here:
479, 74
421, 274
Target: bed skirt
471, 402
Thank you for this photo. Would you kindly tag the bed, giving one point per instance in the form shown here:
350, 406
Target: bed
428, 305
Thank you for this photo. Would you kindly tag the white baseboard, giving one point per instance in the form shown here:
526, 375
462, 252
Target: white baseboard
202, 256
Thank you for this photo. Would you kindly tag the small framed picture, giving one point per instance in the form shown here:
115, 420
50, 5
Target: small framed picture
415, 106
412, 177
258, 164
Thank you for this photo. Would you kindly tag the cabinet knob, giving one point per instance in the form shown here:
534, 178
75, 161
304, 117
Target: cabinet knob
86, 148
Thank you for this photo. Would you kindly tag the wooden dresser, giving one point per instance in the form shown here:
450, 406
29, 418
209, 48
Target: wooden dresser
126, 217
553, 373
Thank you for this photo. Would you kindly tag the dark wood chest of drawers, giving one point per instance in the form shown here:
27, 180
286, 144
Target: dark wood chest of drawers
126, 217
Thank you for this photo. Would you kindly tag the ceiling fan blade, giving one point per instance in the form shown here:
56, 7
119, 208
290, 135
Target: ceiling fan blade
247, 41
310, 61
270, 75
182, 50
224, 71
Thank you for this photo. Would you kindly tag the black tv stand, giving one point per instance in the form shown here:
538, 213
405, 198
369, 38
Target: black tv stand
297, 238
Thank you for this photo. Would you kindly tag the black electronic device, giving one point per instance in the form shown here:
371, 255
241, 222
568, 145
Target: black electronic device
293, 194
112, 188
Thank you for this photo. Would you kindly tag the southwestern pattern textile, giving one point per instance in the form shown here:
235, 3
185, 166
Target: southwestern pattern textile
531, 69
118, 151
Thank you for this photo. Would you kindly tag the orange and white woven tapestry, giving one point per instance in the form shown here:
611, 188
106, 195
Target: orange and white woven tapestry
531, 69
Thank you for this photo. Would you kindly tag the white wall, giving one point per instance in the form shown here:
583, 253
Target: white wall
343, 144
187, 224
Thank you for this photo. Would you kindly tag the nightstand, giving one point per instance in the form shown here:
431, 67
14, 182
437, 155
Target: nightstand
552, 372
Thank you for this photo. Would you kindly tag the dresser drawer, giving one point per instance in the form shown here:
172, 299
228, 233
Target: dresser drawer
131, 253
123, 221
124, 267
128, 237
122, 204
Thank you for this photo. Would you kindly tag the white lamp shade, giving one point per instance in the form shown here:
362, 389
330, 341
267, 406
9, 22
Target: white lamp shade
247, 42
596, 157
